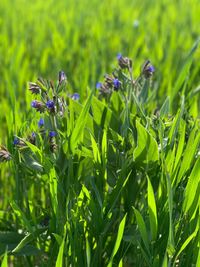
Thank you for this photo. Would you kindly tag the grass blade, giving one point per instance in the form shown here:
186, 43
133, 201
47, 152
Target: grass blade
152, 211
118, 240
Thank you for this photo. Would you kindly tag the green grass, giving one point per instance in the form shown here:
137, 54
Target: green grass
121, 187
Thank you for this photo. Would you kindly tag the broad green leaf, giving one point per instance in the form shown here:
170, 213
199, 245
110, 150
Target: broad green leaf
103, 115
181, 143
88, 252
76, 136
165, 261
27, 239
22, 216
118, 240
53, 189
164, 110
186, 242
152, 211
95, 149
182, 77
189, 153
146, 151
59, 260
192, 191
142, 228
5, 260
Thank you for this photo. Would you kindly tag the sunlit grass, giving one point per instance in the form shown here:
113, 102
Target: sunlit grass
118, 183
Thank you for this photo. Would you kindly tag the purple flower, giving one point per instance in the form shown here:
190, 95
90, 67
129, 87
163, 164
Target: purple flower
62, 77
116, 84
151, 69
119, 55
124, 62
33, 135
75, 96
34, 104
148, 69
50, 104
38, 105
98, 85
16, 141
41, 122
52, 134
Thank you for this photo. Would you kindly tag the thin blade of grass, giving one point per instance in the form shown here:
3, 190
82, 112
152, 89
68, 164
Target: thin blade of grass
118, 240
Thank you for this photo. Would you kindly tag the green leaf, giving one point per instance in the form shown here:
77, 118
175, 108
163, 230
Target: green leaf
59, 260
5, 260
88, 252
152, 211
164, 110
76, 136
146, 151
192, 191
186, 242
22, 216
142, 228
189, 153
118, 240
182, 77
27, 239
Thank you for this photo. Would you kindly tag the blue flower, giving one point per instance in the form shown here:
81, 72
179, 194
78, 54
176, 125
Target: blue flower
52, 134
41, 122
33, 135
75, 96
151, 69
116, 84
39, 106
34, 104
98, 85
148, 69
16, 141
62, 77
119, 55
50, 104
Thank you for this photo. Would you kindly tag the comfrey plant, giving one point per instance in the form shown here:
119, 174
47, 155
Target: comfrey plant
122, 79
63, 161
51, 100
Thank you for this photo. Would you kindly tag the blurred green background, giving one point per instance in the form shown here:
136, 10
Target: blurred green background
83, 37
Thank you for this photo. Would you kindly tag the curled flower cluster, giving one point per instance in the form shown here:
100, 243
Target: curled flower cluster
52, 102
111, 83
123, 76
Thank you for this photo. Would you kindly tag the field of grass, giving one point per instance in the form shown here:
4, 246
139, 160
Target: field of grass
111, 178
